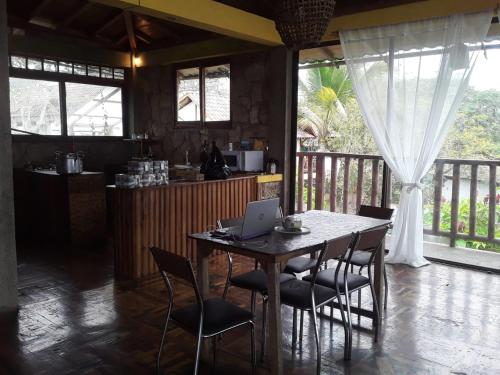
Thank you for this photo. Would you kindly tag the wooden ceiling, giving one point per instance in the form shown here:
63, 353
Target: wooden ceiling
101, 24
264, 8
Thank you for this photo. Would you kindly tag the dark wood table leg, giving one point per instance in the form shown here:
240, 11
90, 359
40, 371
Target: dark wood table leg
203, 251
378, 279
275, 350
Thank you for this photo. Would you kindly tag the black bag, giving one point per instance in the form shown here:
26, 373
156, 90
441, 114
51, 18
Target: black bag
216, 167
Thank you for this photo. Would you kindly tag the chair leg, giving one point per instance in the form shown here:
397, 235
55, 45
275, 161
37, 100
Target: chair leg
198, 352
162, 342
294, 328
376, 310
252, 346
346, 327
331, 314
359, 298
349, 321
301, 333
252, 303
264, 329
214, 349
386, 289
318, 343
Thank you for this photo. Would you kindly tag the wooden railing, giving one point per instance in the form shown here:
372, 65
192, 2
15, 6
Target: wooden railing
354, 179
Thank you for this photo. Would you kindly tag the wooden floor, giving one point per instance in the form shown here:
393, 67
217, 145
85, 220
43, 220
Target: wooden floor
75, 318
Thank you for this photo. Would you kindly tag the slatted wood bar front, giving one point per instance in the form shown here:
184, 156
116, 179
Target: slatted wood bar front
163, 216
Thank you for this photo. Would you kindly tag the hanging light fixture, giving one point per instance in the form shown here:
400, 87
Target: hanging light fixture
302, 23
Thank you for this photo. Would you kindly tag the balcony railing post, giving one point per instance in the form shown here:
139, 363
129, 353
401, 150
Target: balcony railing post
386, 186
300, 183
319, 182
473, 200
455, 196
333, 185
309, 181
359, 184
438, 192
345, 199
492, 203
374, 189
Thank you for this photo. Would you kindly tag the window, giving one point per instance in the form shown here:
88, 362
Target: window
50, 97
203, 95
35, 106
94, 110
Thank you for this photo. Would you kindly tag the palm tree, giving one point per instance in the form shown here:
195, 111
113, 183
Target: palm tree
323, 93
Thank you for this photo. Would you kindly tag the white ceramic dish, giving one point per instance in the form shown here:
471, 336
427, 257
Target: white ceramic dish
281, 229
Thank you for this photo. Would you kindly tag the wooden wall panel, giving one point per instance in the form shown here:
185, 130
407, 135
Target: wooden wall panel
164, 216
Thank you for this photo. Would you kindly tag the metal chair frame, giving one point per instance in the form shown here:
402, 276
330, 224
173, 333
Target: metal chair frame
359, 236
190, 276
323, 257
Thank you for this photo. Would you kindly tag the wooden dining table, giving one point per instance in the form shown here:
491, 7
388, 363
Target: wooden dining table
272, 251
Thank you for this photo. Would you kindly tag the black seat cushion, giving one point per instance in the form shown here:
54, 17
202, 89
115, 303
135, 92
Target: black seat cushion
297, 293
219, 315
361, 258
300, 264
256, 280
327, 278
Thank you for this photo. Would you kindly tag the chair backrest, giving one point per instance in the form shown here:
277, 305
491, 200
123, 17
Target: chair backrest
370, 241
375, 212
178, 266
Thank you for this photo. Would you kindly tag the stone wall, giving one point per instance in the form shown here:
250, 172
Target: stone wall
253, 77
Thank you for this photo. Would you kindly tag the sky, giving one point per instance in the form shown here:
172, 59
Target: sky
486, 73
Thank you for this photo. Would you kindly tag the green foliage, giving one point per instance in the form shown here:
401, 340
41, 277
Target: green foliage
463, 222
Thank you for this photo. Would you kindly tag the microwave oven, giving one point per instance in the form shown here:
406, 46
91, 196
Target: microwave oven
244, 161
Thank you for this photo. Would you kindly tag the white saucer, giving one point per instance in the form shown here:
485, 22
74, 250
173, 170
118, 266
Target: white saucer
281, 229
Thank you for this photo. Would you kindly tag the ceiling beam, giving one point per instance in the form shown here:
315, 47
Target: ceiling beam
39, 8
206, 49
108, 23
129, 24
143, 37
77, 13
207, 15
408, 12
70, 49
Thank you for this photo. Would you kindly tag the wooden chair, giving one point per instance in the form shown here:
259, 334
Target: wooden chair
207, 318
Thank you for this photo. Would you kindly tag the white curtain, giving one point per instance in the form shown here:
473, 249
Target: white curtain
409, 80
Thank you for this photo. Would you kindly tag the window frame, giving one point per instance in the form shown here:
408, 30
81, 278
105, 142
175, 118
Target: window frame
202, 124
62, 78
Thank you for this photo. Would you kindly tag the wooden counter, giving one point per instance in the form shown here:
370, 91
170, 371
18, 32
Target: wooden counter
163, 216
61, 209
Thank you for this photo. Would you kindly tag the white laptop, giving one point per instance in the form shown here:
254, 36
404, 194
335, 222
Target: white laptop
259, 220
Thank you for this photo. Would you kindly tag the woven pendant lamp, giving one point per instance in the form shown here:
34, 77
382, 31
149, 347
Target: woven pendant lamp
302, 23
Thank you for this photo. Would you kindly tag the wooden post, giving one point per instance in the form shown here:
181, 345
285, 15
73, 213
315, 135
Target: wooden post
438, 192
319, 182
333, 185
473, 200
300, 187
359, 184
8, 263
374, 190
492, 203
346, 185
455, 196
309, 181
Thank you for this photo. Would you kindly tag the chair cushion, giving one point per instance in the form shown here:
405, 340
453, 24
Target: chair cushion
219, 315
361, 258
327, 278
300, 264
297, 293
256, 280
